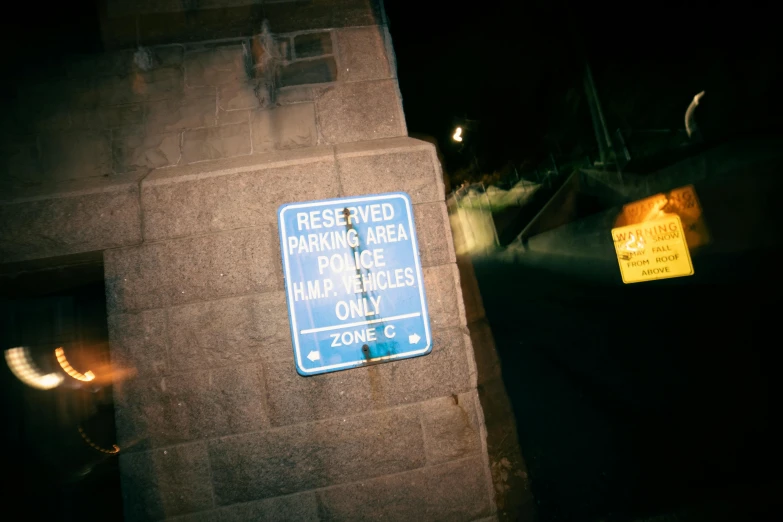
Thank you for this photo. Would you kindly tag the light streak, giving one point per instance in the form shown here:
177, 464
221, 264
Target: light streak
69, 369
21, 364
115, 448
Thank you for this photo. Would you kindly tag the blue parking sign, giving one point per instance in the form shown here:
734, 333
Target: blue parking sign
353, 282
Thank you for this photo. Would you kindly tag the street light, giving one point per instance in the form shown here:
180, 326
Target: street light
689, 123
457, 134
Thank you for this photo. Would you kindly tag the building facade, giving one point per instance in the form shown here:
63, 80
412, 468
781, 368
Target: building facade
166, 158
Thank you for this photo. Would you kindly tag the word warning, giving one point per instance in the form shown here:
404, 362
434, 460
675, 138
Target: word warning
353, 282
652, 250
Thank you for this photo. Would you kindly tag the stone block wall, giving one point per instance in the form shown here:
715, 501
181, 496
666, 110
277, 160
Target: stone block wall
217, 424
513, 496
108, 116
173, 170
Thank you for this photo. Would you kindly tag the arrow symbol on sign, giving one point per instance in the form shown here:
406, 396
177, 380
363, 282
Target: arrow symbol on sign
414, 338
314, 356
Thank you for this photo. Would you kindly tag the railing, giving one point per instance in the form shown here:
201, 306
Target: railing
478, 211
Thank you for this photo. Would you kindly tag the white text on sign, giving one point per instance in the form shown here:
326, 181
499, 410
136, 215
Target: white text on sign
360, 270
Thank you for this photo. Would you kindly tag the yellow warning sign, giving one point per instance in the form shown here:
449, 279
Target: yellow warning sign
652, 250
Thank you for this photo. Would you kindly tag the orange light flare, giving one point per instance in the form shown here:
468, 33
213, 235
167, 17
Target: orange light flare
109, 374
66, 366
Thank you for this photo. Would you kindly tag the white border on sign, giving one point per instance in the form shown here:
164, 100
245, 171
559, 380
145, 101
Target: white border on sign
414, 243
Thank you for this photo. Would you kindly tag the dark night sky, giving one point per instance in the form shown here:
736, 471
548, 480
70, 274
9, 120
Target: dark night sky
516, 67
